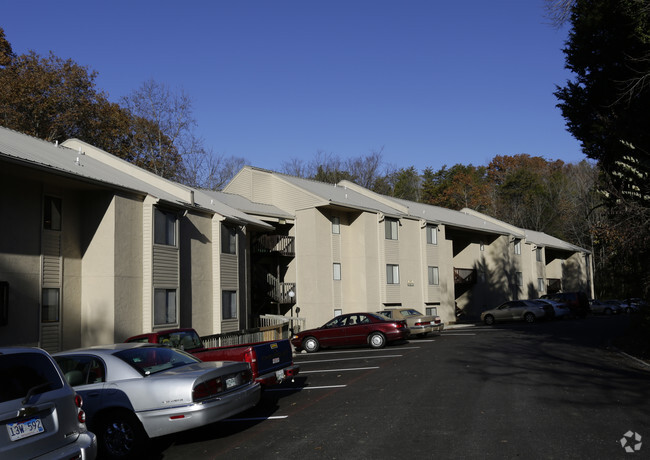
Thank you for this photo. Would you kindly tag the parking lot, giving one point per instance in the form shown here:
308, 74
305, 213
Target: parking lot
547, 390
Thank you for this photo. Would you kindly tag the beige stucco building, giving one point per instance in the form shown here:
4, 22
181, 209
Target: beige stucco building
360, 251
94, 249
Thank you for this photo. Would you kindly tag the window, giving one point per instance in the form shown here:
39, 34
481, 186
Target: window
4, 303
229, 304
164, 228
228, 239
337, 271
52, 213
519, 278
432, 234
164, 307
392, 274
540, 284
50, 305
482, 246
336, 225
538, 254
431, 311
434, 279
391, 229
517, 246
337, 312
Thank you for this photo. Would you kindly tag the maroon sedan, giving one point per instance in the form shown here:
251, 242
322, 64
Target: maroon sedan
352, 329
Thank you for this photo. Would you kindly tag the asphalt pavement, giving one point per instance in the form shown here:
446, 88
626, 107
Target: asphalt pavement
552, 389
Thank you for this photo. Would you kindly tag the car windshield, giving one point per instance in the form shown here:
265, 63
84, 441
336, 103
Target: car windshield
26, 374
151, 360
185, 340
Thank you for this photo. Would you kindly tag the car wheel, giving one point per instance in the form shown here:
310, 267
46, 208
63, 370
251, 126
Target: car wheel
120, 435
608, 311
529, 318
377, 340
311, 345
489, 320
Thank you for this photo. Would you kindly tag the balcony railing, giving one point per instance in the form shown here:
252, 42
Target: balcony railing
284, 245
281, 292
464, 276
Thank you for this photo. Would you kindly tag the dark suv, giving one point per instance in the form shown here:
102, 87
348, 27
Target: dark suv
40, 413
578, 302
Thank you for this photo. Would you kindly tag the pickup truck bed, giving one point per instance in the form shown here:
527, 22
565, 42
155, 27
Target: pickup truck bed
271, 362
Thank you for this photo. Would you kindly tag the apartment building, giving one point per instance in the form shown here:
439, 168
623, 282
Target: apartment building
356, 250
94, 249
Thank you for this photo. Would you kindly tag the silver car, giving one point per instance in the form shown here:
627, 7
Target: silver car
526, 310
41, 415
136, 391
419, 325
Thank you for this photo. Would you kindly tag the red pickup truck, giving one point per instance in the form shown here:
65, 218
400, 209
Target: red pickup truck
271, 362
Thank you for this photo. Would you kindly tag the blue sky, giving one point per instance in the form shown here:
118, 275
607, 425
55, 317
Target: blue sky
430, 82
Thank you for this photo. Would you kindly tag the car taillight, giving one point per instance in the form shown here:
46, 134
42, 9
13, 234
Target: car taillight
246, 375
79, 402
207, 389
423, 323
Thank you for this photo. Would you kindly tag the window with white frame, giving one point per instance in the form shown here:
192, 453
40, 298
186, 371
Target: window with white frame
228, 239
50, 305
336, 225
431, 311
392, 274
538, 254
164, 307
164, 227
540, 284
519, 278
391, 228
434, 278
517, 246
432, 234
229, 304
337, 271
51, 213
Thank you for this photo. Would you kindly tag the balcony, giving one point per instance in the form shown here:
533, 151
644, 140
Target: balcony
281, 292
464, 276
267, 244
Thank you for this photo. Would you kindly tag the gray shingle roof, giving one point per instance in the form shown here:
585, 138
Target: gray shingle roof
99, 167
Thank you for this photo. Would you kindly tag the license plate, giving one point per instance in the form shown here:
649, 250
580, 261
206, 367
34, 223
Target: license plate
25, 429
231, 382
279, 375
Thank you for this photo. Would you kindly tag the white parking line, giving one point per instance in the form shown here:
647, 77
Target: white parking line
274, 417
349, 359
340, 370
460, 334
306, 388
336, 352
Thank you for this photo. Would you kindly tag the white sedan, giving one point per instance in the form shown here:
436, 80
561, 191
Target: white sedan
136, 391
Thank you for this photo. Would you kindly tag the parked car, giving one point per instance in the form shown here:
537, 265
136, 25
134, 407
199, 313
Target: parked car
633, 305
41, 414
559, 309
616, 305
600, 307
271, 361
514, 310
417, 323
578, 302
136, 391
352, 329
